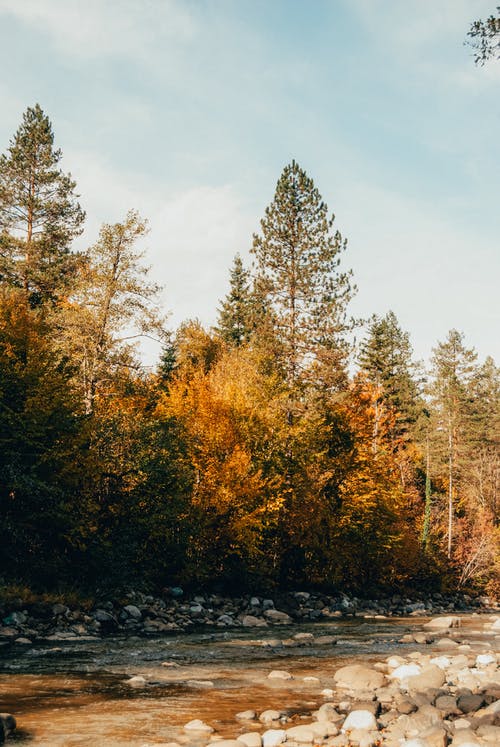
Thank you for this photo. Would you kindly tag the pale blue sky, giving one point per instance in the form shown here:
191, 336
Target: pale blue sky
188, 111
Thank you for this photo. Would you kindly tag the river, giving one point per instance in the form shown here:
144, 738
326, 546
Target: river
72, 693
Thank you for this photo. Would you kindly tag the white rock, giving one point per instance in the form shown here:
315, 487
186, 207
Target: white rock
198, 725
137, 681
200, 683
441, 661
251, 739
269, 715
495, 625
360, 720
327, 692
311, 680
393, 662
279, 674
405, 671
227, 742
246, 715
273, 737
482, 660
415, 743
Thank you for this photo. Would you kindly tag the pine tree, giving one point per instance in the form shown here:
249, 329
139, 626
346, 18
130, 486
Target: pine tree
452, 370
386, 360
39, 212
304, 294
235, 315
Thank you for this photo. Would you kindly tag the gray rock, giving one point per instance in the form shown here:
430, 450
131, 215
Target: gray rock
133, 612
275, 616
7, 725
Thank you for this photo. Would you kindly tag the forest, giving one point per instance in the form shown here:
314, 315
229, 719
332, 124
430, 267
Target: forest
289, 446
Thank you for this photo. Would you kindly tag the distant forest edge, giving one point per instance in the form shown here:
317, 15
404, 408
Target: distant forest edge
266, 452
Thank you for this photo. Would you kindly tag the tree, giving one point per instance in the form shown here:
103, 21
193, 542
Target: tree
485, 36
235, 315
386, 359
305, 296
39, 213
112, 307
452, 369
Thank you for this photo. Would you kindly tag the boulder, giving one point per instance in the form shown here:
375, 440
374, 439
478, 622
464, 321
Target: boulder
443, 623
198, 725
360, 720
251, 739
359, 677
270, 715
430, 677
250, 621
302, 734
133, 612
273, 737
246, 716
275, 616
279, 674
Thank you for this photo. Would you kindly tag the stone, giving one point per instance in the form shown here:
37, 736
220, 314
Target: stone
251, 739
59, 609
133, 612
7, 725
359, 677
311, 680
470, 703
435, 736
327, 692
229, 743
327, 712
417, 742
430, 677
303, 637
483, 660
275, 616
225, 620
443, 623
198, 725
246, 716
270, 715
23, 641
273, 737
201, 684
447, 704
405, 671
249, 621
279, 674
360, 720
137, 681
301, 734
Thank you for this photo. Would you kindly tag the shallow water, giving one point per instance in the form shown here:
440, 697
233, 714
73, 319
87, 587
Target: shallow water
76, 693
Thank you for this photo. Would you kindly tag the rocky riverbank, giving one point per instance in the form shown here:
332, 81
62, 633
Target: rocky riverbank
448, 695
174, 612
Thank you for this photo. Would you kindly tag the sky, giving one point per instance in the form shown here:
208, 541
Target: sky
188, 110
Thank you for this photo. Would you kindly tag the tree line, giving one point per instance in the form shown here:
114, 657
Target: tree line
267, 451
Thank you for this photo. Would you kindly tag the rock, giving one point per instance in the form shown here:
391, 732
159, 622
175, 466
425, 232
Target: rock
273, 737
246, 716
360, 720
226, 620
7, 725
303, 637
325, 640
275, 616
59, 609
23, 641
133, 612
137, 681
249, 621
327, 712
447, 704
405, 671
251, 739
270, 715
301, 734
414, 743
430, 677
267, 604
359, 677
495, 625
279, 674
446, 644
229, 743
435, 736
311, 680
327, 692
468, 703
200, 683
442, 623
198, 725
15, 618
483, 660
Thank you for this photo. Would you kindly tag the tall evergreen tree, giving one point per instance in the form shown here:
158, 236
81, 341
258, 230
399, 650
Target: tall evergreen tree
452, 370
297, 257
386, 360
39, 212
235, 315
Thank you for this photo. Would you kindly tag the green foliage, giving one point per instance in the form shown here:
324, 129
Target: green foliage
485, 38
235, 323
39, 213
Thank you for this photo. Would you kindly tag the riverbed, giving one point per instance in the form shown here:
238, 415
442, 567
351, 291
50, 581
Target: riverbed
72, 693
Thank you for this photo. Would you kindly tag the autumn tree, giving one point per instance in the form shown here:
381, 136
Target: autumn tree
305, 295
113, 306
39, 213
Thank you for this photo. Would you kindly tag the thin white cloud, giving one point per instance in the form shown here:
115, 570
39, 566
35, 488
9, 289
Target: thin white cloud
124, 28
